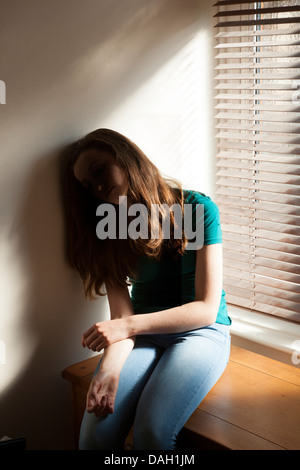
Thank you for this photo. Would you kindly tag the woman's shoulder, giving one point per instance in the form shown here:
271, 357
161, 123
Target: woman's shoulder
192, 196
212, 225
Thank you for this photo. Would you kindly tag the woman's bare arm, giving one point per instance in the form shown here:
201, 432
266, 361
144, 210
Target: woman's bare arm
196, 314
103, 388
120, 308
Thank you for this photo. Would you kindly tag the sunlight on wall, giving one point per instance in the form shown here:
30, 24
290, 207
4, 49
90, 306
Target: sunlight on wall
174, 127
19, 344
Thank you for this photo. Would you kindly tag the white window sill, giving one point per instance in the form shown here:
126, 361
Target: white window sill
270, 336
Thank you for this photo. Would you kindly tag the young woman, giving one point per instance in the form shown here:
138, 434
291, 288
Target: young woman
167, 342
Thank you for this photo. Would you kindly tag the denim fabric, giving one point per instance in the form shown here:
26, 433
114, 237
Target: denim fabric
162, 382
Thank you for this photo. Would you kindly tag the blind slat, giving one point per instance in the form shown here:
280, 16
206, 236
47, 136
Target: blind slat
259, 22
283, 149
257, 33
261, 137
262, 76
257, 11
251, 45
257, 97
237, 2
260, 165
283, 129
258, 55
260, 175
271, 117
292, 108
263, 157
264, 65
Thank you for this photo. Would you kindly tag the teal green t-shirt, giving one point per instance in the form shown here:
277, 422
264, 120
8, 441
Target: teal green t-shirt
171, 282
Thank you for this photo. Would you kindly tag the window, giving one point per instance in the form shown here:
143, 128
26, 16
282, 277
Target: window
258, 153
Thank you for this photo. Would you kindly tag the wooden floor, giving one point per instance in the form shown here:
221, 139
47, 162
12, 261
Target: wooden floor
254, 406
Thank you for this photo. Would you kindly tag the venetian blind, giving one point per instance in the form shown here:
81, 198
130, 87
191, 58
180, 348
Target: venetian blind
258, 153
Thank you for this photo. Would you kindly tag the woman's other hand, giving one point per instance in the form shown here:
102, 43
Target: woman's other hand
102, 393
104, 334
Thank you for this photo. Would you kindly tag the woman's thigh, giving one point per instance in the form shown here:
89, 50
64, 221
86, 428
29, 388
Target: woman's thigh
110, 432
189, 367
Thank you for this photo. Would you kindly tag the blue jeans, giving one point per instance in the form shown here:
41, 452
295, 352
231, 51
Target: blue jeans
163, 380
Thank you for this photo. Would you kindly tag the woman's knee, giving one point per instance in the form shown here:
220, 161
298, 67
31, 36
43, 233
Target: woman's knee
93, 442
153, 435
95, 436
86, 442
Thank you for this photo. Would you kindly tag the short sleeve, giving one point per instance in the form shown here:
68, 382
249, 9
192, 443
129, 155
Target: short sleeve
212, 224
210, 216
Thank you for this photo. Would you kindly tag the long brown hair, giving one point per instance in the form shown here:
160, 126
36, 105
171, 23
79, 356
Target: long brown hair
113, 261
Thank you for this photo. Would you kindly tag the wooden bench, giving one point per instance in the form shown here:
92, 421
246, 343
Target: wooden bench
254, 406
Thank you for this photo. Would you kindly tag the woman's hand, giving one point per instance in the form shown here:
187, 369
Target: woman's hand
102, 393
105, 333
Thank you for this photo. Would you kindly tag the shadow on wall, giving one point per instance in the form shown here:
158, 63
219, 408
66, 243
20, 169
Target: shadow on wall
54, 310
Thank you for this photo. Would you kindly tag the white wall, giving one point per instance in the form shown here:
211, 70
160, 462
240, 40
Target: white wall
143, 68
